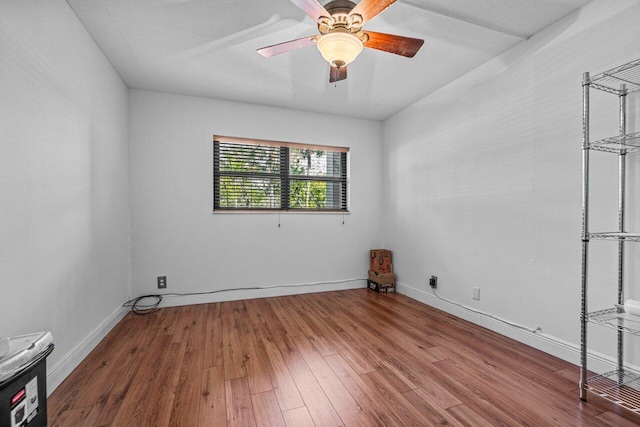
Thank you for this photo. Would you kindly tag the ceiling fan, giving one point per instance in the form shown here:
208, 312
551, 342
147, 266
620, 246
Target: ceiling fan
341, 37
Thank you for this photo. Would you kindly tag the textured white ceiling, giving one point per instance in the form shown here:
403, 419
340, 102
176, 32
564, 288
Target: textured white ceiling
208, 48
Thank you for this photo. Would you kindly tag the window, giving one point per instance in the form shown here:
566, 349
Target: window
255, 175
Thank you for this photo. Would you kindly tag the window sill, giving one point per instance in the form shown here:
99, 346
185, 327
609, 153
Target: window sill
273, 212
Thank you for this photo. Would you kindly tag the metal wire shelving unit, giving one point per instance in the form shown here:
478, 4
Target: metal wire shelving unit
619, 386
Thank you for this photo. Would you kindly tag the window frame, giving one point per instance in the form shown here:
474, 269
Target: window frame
284, 176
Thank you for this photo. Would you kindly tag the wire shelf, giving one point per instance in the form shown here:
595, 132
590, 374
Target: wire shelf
620, 387
615, 319
631, 237
610, 81
618, 144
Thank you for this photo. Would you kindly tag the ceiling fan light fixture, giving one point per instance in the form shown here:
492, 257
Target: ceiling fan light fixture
339, 48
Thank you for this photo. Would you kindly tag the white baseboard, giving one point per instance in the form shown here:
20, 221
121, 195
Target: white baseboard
265, 292
56, 374
557, 347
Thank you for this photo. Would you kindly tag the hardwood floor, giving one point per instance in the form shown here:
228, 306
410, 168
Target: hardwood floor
352, 358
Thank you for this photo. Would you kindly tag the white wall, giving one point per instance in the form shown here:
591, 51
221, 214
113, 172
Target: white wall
175, 233
482, 182
64, 226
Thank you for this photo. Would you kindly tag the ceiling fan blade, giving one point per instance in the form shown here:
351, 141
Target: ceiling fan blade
369, 9
285, 47
400, 45
312, 8
336, 74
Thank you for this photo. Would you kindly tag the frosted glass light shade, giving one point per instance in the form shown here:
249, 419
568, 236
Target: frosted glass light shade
339, 49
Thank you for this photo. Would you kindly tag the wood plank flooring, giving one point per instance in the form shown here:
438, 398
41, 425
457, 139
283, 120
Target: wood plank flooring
345, 358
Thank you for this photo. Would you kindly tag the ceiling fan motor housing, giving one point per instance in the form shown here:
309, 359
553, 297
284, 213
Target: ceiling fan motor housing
340, 19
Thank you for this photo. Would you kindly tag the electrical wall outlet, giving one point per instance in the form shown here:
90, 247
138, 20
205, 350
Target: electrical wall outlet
433, 282
476, 293
162, 282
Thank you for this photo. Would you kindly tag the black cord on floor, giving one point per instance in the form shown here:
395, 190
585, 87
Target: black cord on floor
141, 309
137, 307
